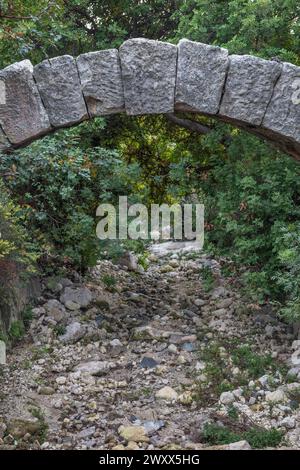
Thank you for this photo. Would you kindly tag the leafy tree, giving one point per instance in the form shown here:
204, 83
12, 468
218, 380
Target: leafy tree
250, 190
265, 28
58, 200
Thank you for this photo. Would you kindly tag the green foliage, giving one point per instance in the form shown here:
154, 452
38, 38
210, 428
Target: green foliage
244, 358
16, 331
60, 329
217, 356
15, 244
258, 438
287, 276
109, 281
27, 316
265, 27
42, 29
41, 435
208, 280
58, 199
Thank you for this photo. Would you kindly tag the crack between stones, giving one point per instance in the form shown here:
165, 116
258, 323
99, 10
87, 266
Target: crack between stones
123, 87
272, 94
224, 86
42, 101
176, 73
84, 98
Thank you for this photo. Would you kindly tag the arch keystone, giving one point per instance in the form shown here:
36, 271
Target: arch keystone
149, 74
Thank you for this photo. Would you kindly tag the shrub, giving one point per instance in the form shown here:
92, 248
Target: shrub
15, 244
258, 438
58, 185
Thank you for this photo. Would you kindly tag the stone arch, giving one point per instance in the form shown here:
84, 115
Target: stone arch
152, 77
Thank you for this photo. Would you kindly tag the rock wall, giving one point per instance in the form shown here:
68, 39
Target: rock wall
152, 77
15, 294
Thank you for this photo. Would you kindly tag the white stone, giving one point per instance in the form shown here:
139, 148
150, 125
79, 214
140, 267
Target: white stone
240, 445
295, 358
167, 393
2, 352
288, 422
227, 398
94, 367
296, 344
172, 348
61, 380
276, 396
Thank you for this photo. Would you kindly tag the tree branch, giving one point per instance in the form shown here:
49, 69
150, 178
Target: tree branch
17, 18
192, 126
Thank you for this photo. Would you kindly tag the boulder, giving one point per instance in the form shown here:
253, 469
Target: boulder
81, 296
167, 393
129, 260
74, 332
227, 398
133, 433
18, 427
55, 310
93, 367
295, 358
277, 396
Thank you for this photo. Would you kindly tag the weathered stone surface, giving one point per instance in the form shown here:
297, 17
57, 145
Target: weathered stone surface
22, 114
276, 397
81, 296
74, 332
249, 87
201, 73
94, 367
259, 96
166, 393
129, 260
283, 113
149, 73
101, 81
59, 85
226, 398
133, 433
55, 310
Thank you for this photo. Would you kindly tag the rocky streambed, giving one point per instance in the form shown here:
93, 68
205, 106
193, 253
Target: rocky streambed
168, 358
